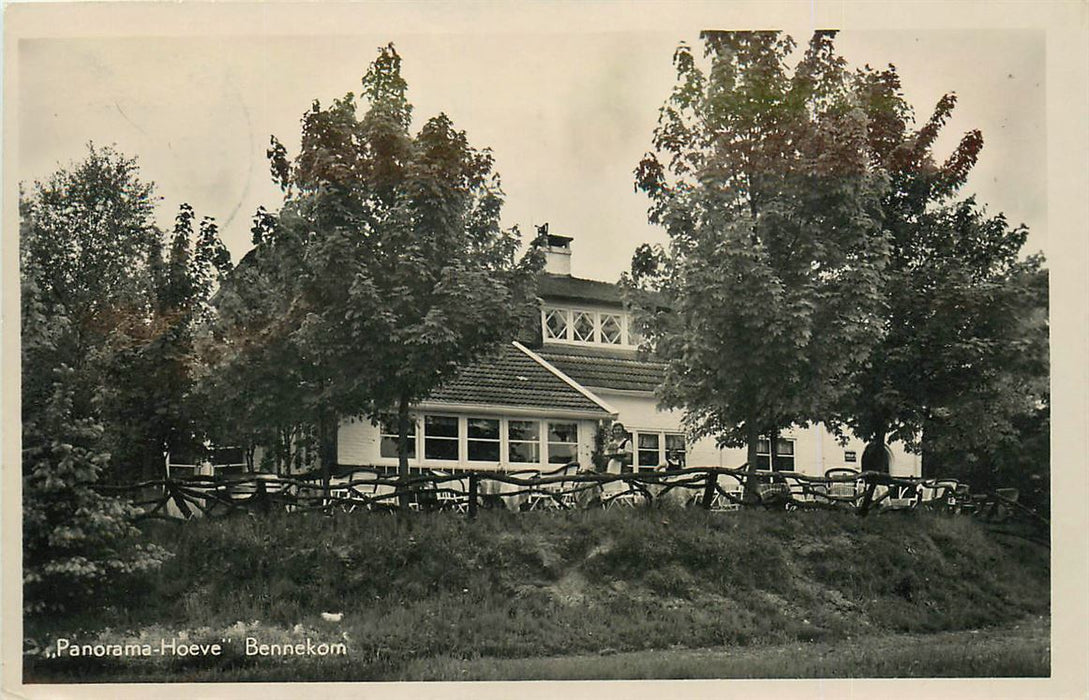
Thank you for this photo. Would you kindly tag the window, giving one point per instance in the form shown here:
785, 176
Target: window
584, 326
610, 329
388, 436
556, 324
441, 437
524, 441
483, 439
676, 450
784, 454
563, 443
649, 444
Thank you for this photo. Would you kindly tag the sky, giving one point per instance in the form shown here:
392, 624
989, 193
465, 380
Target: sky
567, 114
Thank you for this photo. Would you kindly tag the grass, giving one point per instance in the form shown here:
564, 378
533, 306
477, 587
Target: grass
1017, 651
514, 592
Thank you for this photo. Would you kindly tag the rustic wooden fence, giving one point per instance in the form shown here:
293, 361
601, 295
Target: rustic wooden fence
711, 488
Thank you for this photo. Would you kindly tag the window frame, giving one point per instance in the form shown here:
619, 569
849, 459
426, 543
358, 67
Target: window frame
659, 440
497, 441
761, 454
457, 440
383, 435
536, 441
571, 314
547, 424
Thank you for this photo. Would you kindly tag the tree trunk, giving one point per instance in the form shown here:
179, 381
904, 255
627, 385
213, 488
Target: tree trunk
327, 438
403, 420
752, 439
773, 444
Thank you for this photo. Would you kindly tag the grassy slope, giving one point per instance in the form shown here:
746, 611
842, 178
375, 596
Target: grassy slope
509, 586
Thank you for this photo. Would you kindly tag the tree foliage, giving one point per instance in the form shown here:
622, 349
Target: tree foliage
384, 272
88, 252
961, 370
821, 266
763, 178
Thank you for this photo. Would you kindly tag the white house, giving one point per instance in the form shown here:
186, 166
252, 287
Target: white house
544, 406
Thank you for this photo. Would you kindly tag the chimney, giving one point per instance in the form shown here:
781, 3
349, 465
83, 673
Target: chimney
558, 255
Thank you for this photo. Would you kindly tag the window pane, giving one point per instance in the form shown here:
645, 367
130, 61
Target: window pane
389, 447
648, 441
675, 442
388, 425
388, 437
440, 426
440, 448
484, 450
648, 458
563, 432
762, 446
483, 428
584, 326
784, 463
556, 324
524, 452
561, 453
610, 329
786, 447
523, 430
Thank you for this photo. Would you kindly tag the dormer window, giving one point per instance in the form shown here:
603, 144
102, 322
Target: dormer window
586, 327
612, 332
556, 324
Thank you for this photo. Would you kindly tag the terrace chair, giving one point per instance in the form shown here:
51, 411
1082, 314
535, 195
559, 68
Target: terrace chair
721, 503
451, 494
901, 498
619, 494
842, 491
556, 495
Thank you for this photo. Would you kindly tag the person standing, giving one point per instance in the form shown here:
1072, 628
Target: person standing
618, 450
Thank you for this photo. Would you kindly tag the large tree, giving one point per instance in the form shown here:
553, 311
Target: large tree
767, 299
388, 263
961, 368
88, 246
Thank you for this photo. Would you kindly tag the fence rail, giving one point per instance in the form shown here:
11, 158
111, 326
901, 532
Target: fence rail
711, 488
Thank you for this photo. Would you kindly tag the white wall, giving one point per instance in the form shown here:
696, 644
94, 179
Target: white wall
816, 449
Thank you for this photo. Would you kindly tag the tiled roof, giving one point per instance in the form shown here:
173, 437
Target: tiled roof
604, 367
579, 289
510, 377
567, 287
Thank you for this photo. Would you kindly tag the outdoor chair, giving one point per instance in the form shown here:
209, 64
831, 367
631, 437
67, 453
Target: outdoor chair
901, 498
555, 495
723, 503
619, 494
842, 491
451, 494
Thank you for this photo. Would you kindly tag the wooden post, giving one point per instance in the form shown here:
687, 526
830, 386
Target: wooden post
709, 489
261, 496
474, 479
867, 498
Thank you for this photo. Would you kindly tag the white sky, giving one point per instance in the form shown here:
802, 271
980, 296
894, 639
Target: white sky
567, 114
